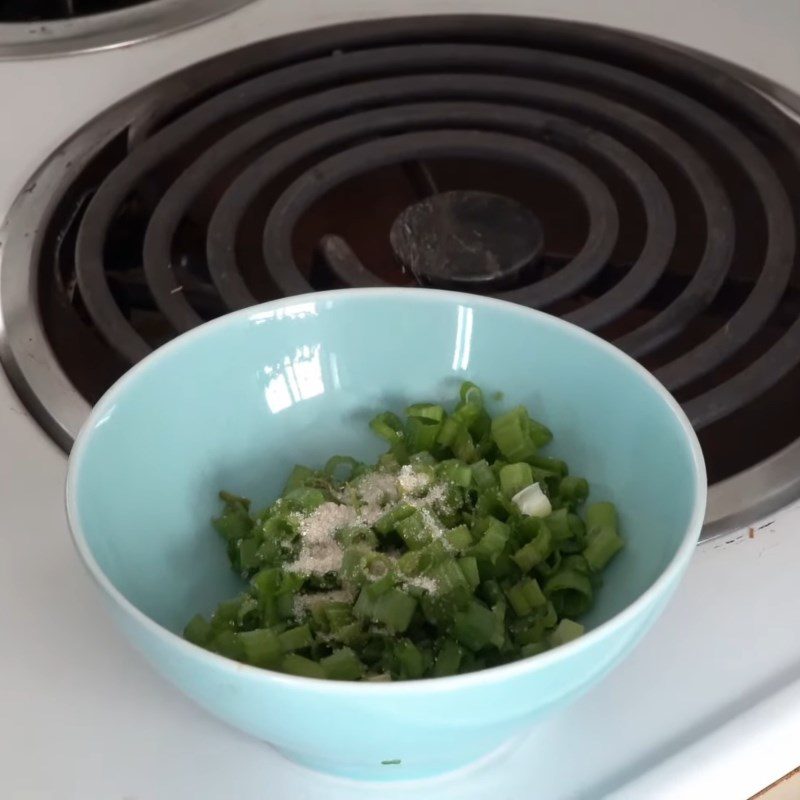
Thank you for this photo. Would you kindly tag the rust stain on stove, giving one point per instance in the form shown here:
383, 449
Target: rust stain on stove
751, 533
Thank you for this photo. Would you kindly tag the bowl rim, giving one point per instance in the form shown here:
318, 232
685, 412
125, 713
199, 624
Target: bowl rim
660, 585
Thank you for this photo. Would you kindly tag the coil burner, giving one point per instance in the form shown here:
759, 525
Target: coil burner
639, 191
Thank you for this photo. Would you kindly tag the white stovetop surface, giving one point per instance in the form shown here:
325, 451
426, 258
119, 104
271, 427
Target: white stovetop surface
707, 707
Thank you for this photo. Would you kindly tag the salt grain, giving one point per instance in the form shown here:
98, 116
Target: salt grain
319, 551
411, 481
424, 582
378, 492
375, 491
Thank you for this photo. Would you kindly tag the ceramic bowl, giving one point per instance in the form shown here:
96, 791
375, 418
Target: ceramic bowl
235, 403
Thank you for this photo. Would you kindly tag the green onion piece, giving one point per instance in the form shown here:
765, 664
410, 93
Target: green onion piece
421, 434
475, 627
463, 446
573, 490
279, 529
471, 394
539, 434
342, 665
296, 638
341, 468
299, 476
526, 596
305, 499
550, 565
449, 577
457, 473
448, 659
459, 538
536, 551
352, 634
337, 615
515, 477
550, 617
198, 630
276, 596
386, 524
294, 664
249, 615
570, 592
603, 541
493, 541
409, 660
558, 522
234, 523
393, 608
388, 426
426, 411
469, 569
510, 433
357, 535
482, 475
376, 588
262, 648
491, 592
533, 649
377, 566
249, 556
227, 614
577, 562
554, 466
448, 432
414, 531
409, 563
603, 545
234, 500
228, 644
565, 631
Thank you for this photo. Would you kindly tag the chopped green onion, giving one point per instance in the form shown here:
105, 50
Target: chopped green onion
515, 477
342, 665
198, 630
565, 631
603, 540
388, 522
526, 596
570, 591
469, 569
302, 666
536, 551
448, 659
475, 628
573, 490
296, 638
459, 538
262, 648
463, 547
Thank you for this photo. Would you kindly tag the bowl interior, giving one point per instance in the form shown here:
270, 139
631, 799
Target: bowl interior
238, 402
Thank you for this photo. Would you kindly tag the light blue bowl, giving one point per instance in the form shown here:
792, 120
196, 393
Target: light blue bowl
237, 402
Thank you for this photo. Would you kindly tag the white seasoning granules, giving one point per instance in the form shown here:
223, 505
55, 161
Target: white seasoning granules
412, 482
424, 582
432, 526
319, 550
375, 491
378, 493
377, 488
